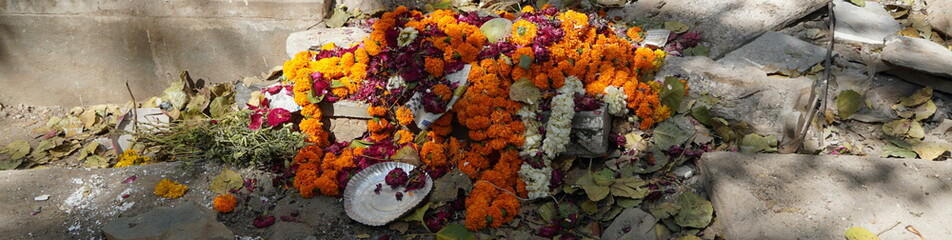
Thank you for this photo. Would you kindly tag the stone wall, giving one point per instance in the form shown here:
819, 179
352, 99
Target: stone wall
81, 52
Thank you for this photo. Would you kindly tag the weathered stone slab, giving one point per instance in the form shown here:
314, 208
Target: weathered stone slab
590, 130
342, 37
940, 16
745, 94
869, 24
187, 220
776, 50
346, 109
919, 54
724, 25
769, 196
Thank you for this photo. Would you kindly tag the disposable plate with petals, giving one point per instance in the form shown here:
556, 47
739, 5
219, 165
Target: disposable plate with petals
363, 204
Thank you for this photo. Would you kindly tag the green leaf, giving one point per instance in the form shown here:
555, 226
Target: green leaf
668, 134
919, 97
175, 94
496, 29
860, 3
848, 103
695, 211
697, 51
594, 191
589, 207
702, 115
931, 150
337, 18
664, 210
925, 110
96, 161
676, 27
311, 98
672, 93
226, 181
525, 61
628, 202
524, 90
548, 211
88, 150
417, 214
630, 187
360, 144
605, 177
17, 149
755, 143
897, 128
892, 151
220, 106
337, 84
859, 233
915, 130
455, 232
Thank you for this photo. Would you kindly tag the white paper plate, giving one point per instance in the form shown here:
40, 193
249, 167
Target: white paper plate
367, 207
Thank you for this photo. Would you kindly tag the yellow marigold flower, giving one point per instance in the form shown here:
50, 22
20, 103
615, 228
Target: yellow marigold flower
169, 189
131, 158
523, 32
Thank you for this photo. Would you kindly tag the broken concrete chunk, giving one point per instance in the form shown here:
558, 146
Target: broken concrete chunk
919, 54
342, 37
187, 220
776, 50
745, 94
870, 24
940, 16
590, 130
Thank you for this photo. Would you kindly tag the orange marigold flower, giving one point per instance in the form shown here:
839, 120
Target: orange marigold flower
225, 203
404, 116
376, 111
635, 34
523, 32
434, 66
403, 136
443, 91
433, 154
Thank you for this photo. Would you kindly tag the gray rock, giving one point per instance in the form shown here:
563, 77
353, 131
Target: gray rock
184, 221
940, 15
870, 24
776, 50
342, 37
919, 54
369, 7
684, 171
771, 196
639, 224
725, 25
590, 130
745, 94
345, 108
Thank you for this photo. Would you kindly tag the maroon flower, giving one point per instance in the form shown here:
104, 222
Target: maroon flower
264, 221
256, 120
278, 116
396, 178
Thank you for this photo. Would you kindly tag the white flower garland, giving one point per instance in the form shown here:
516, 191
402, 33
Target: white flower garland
559, 125
407, 35
558, 128
617, 100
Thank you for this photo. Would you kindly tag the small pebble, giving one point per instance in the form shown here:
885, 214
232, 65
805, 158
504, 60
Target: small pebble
42, 197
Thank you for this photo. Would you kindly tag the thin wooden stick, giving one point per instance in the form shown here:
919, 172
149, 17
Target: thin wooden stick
135, 118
